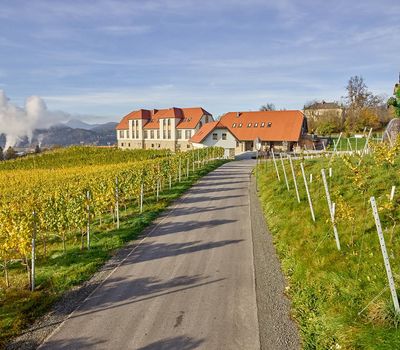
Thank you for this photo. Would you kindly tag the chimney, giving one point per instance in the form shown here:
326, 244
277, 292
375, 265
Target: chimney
237, 114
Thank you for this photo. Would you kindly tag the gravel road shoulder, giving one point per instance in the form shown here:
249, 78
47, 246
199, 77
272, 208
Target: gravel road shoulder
278, 331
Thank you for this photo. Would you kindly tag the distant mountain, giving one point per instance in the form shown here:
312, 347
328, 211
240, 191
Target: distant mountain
77, 124
62, 135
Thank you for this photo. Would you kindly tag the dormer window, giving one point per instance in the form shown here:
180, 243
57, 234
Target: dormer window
269, 124
255, 125
240, 125
234, 125
262, 124
249, 125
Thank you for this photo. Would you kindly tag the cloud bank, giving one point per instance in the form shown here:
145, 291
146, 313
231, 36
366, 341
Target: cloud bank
19, 122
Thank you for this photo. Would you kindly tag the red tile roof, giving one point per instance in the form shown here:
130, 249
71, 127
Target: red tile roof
247, 126
140, 114
205, 130
189, 117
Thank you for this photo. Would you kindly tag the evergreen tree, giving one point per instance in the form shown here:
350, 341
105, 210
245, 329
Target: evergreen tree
37, 149
1, 154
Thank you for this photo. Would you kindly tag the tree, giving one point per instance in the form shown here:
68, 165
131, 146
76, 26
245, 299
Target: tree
394, 101
10, 153
37, 149
361, 105
268, 107
1, 154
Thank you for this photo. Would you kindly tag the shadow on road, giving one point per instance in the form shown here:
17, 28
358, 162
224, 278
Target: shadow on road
126, 292
176, 343
154, 251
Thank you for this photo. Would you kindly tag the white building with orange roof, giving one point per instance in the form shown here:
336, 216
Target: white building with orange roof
161, 129
236, 131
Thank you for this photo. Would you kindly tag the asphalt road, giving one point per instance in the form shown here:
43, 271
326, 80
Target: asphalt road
189, 284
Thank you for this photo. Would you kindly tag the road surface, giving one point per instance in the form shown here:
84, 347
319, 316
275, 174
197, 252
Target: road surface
188, 285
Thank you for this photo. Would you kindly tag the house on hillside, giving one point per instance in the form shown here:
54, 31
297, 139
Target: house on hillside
237, 131
161, 129
317, 110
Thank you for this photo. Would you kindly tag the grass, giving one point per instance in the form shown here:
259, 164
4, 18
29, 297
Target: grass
329, 288
59, 272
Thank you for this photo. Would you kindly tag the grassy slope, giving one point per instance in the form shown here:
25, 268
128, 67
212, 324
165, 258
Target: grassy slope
329, 288
60, 272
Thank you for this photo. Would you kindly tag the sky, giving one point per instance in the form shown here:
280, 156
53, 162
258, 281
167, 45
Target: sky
101, 59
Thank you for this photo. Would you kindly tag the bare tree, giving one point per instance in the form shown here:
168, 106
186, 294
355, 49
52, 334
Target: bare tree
268, 107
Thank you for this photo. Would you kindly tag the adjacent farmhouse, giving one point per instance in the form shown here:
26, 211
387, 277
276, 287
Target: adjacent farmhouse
164, 128
317, 110
236, 131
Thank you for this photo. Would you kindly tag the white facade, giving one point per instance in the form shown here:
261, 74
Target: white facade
219, 138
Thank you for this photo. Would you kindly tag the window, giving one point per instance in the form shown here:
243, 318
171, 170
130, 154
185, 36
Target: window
152, 145
121, 134
234, 125
122, 144
159, 145
179, 134
164, 134
224, 136
152, 135
187, 146
269, 124
157, 134
240, 125
169, 134
137, 134
188, 134
200, 124
255, 125
129, 144
262, 124
249, 125
237, 144
215, 136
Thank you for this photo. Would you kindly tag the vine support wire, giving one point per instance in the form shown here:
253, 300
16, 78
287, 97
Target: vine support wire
308, 192
117, 201
276, 167
385, 255
331, 209
294, 179
284, 171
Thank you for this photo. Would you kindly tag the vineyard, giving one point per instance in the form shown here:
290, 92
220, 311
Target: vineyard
334, 265
62, 214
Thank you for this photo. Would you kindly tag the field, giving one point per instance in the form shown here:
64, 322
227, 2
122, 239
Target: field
340, 299
79, 213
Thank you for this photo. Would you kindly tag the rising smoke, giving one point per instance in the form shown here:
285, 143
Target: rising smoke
19, 122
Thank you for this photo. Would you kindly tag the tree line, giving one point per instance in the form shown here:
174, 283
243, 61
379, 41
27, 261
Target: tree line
360, 109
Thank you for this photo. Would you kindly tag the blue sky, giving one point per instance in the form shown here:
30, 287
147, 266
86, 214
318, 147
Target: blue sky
105, 58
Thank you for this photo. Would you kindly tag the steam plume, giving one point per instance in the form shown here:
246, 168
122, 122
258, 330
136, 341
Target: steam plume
18, 122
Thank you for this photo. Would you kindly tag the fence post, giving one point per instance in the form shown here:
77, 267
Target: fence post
385, 255
180, 169
141, 197
294, 179
308, 192
331, 209
276, 167
88, 220
33, 257
392, 193
284, 171
117, 201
